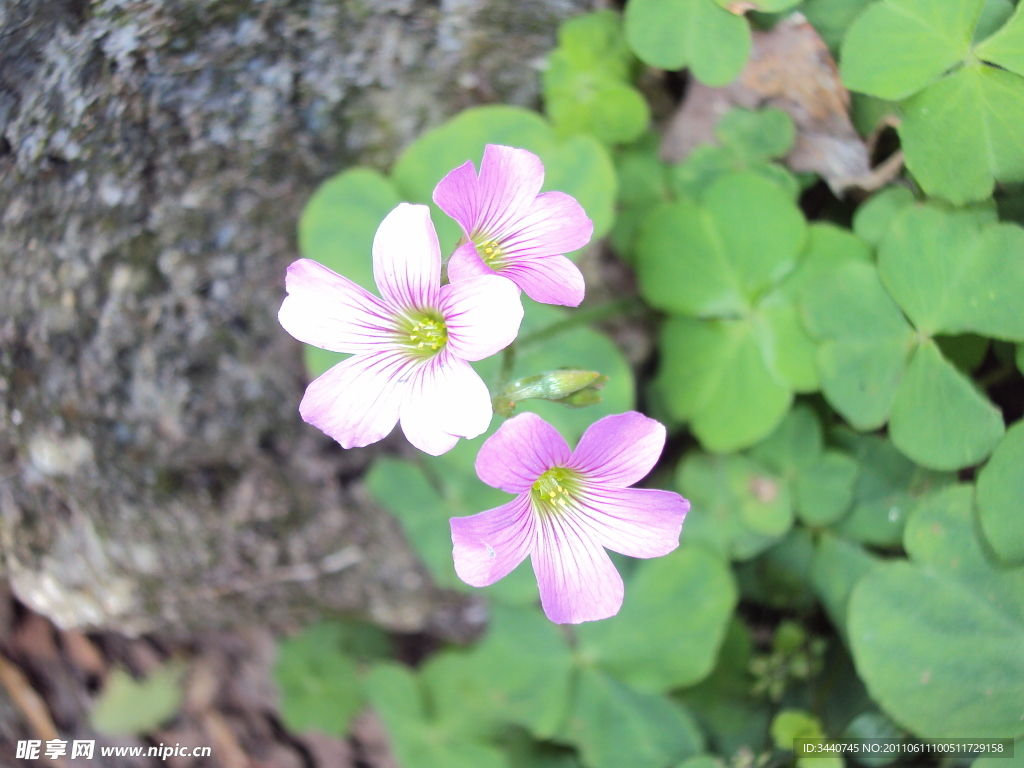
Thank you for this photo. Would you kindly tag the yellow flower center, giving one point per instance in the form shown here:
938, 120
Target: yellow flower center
425, 334
552, 491
490, 251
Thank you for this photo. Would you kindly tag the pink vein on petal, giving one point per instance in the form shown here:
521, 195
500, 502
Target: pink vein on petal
522, 449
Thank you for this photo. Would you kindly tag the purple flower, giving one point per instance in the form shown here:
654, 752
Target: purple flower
410, 349
512, 229
571, 506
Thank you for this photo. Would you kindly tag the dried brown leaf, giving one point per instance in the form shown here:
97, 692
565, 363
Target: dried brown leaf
790, 68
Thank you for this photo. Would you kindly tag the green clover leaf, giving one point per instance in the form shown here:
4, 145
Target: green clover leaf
1006, 46
714, 375
319, 687
693, 260
888, 489
747, 141
738, 507
700, 34
419, 738
831, 18
950, 273
821, 481
779, 577
723, 703
938, 639
650, 644
733, 359
960, 135
961, 110
864, 339
897, 47
614, 725
519, 673
836, 568
938, 418
127, 707
643, 184
1000, 491
587, 82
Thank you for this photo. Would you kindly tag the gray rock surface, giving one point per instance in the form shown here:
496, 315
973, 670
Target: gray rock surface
154, 157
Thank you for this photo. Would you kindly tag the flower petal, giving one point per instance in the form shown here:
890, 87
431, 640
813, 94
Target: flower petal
554, 224
465, 264
619, 450
407, 258
523, 448
446, 399
576, 578
549, 280
456, 195
510, 180
482, 314
488, 546
357, 401
329, 311
639, 522
425, 436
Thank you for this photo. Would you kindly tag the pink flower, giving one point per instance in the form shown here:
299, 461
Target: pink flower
410, 349
512, 229
571, 506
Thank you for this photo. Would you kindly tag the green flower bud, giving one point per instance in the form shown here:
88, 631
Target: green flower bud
553, 385
571, 387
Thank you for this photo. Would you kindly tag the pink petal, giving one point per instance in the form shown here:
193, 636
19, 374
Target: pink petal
456, 195
549, 280
466, 264
488, 546
509, 182
407, 258
577, 580
331, 312
445, 399
638, 522
523, 448
482, 314
619, 450
357, 401
554, 224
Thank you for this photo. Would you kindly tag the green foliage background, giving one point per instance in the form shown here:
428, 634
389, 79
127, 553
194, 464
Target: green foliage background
844, 395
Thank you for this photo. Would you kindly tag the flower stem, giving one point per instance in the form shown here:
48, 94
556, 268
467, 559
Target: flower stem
508, 362
998, 376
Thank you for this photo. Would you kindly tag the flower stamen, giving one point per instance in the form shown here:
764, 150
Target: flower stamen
552, 491
490, 251
425, 336
429, 333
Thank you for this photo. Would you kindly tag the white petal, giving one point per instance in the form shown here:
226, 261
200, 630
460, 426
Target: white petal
483, 315
407, 258
446, 398
331, 312
357, 401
